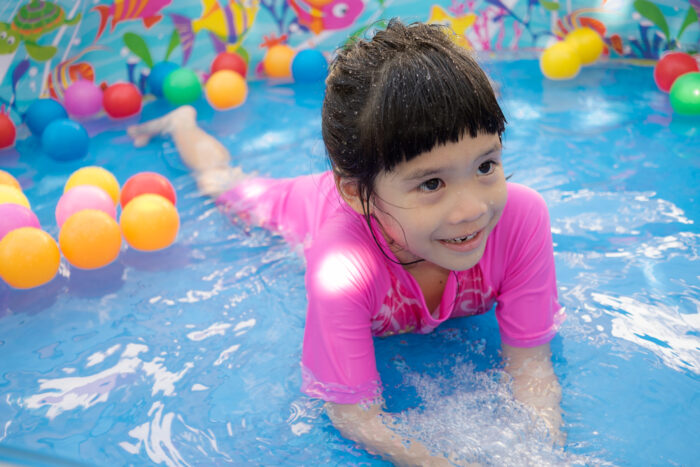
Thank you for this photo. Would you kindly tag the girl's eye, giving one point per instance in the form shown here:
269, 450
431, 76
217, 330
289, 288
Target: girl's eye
430, 185
486, 168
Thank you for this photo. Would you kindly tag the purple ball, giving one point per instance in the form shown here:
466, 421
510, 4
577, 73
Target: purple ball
14, 216
83, 98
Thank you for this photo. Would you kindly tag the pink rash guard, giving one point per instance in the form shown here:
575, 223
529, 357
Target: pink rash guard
355, 292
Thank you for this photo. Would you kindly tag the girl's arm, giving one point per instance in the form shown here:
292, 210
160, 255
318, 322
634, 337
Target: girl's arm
535, 384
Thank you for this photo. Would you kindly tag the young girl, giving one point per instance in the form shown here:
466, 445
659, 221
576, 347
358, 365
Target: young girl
414, 224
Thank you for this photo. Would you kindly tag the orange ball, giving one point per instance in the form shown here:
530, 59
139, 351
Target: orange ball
29, 258
90, 239
278, 61
10, 194
150, 222
96, 176
226, 89
7, 179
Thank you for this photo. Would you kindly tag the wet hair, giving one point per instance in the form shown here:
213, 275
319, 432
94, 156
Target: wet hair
405, 91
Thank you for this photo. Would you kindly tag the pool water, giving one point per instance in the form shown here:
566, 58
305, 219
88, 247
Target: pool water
190, 355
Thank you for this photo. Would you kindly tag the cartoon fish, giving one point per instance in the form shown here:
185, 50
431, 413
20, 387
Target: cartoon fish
68, 72
32, 21
127, 10
227, 25
459, 24
327, 15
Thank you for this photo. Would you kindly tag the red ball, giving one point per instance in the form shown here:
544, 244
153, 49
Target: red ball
7, 131
121, 100
671, 66
229, 61
147, 182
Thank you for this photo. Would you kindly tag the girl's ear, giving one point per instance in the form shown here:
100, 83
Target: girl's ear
350, 192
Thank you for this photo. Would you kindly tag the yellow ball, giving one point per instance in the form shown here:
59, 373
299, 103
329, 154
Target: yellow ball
587, 43
29, 258
560, 61
278, 61
10, 194
7, 179
150, 222
96, 176
90, 239
226, 89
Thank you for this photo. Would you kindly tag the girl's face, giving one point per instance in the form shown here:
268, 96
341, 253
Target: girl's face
442, 205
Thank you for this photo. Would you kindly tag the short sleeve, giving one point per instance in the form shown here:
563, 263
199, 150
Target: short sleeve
338, 361
528, 309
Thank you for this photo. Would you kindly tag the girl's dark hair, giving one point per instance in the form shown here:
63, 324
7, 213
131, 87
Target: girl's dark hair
405, 91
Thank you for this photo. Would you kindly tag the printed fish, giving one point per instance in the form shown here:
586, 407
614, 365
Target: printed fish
327, 15
226, 25
459, 24
68, 72
127, 10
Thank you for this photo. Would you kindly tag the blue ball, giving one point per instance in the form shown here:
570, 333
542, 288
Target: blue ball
65, 140
156, 78
41, 112
309, 66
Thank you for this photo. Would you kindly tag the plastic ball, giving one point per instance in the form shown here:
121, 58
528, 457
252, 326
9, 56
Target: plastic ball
122, 100
560, 61
97, 176
41, 112
229, 61
29, 257
182, 86
90, 239
309, 66
587, 43
12, 195
278, 61
7, 131
226, 89
671, 66
149, 222
685, 94
147, 182
84, 197
156, 77
14, 216
83, 98
7, 179
65, 140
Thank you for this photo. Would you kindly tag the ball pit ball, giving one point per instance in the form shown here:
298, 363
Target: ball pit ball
122, 100
670, 67
83, 98
90, 239
147, 182
15, 216
29, 257
7, 179
587, 43
685, 94
149, 222
84, 197
157, 76
229, 61
182, 86
278, 61
7, 131
41, 112
12, 195
65, 140
309, 66
226, 89
96, 176
560, 61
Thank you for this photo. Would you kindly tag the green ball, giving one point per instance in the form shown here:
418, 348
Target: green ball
182, 86
685, 94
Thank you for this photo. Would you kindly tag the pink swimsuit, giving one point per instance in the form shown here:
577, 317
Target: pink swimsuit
355, 292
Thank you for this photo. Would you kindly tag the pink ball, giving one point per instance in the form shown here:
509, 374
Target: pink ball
83, 98
13, 216
84, 197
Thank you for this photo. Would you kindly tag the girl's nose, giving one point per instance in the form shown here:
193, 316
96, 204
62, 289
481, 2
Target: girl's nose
466, 207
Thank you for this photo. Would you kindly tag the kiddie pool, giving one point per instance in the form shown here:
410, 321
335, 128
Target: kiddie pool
190, 355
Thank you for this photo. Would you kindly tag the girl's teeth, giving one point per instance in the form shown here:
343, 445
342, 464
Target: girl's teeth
462, 239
